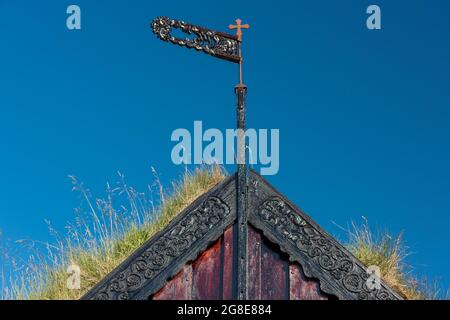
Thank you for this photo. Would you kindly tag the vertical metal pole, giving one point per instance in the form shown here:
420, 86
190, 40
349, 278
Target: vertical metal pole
241, 92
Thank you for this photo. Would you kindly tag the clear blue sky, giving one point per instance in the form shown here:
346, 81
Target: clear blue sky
364, 115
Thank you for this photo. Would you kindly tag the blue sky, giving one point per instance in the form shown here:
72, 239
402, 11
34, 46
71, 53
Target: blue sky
364, 116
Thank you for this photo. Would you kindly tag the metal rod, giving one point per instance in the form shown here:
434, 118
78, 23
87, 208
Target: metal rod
241, 81
241, 92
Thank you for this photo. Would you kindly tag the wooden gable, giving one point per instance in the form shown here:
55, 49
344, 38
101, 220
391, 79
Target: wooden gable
195, 257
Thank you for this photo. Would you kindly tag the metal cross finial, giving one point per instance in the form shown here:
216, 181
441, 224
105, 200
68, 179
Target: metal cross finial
239, 26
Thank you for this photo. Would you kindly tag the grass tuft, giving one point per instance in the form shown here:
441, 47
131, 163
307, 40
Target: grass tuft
389, 253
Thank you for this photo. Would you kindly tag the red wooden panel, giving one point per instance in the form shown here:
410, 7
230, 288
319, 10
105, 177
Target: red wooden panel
179, 288
254, 264
270, 274
206, 274
228, 270
274, 274
302, 288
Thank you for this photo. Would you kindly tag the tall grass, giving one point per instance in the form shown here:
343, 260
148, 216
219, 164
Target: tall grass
389, 253
106, 231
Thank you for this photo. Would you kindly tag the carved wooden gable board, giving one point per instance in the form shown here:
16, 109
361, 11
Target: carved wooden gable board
289, 256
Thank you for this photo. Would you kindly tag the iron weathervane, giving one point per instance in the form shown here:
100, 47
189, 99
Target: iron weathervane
227, 47
218, 44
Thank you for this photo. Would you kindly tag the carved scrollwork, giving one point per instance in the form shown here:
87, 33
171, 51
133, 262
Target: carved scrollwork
211, 42
170, 246
327, 255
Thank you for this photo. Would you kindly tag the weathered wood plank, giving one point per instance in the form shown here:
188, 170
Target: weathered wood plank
227, 265
206, 282
254, 264
179, 288
274, 274
302, 288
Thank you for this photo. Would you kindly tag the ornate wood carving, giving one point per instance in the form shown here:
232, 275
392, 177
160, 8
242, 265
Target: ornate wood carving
214, 43
322, 257
163, 256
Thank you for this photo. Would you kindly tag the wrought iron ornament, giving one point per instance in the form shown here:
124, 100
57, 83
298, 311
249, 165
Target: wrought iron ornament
221, 45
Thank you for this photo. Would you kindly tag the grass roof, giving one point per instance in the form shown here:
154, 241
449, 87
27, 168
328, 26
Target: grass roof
109, 229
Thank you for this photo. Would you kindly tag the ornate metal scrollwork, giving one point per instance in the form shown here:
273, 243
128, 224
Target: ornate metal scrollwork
176, 242
327, 255
217, 44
